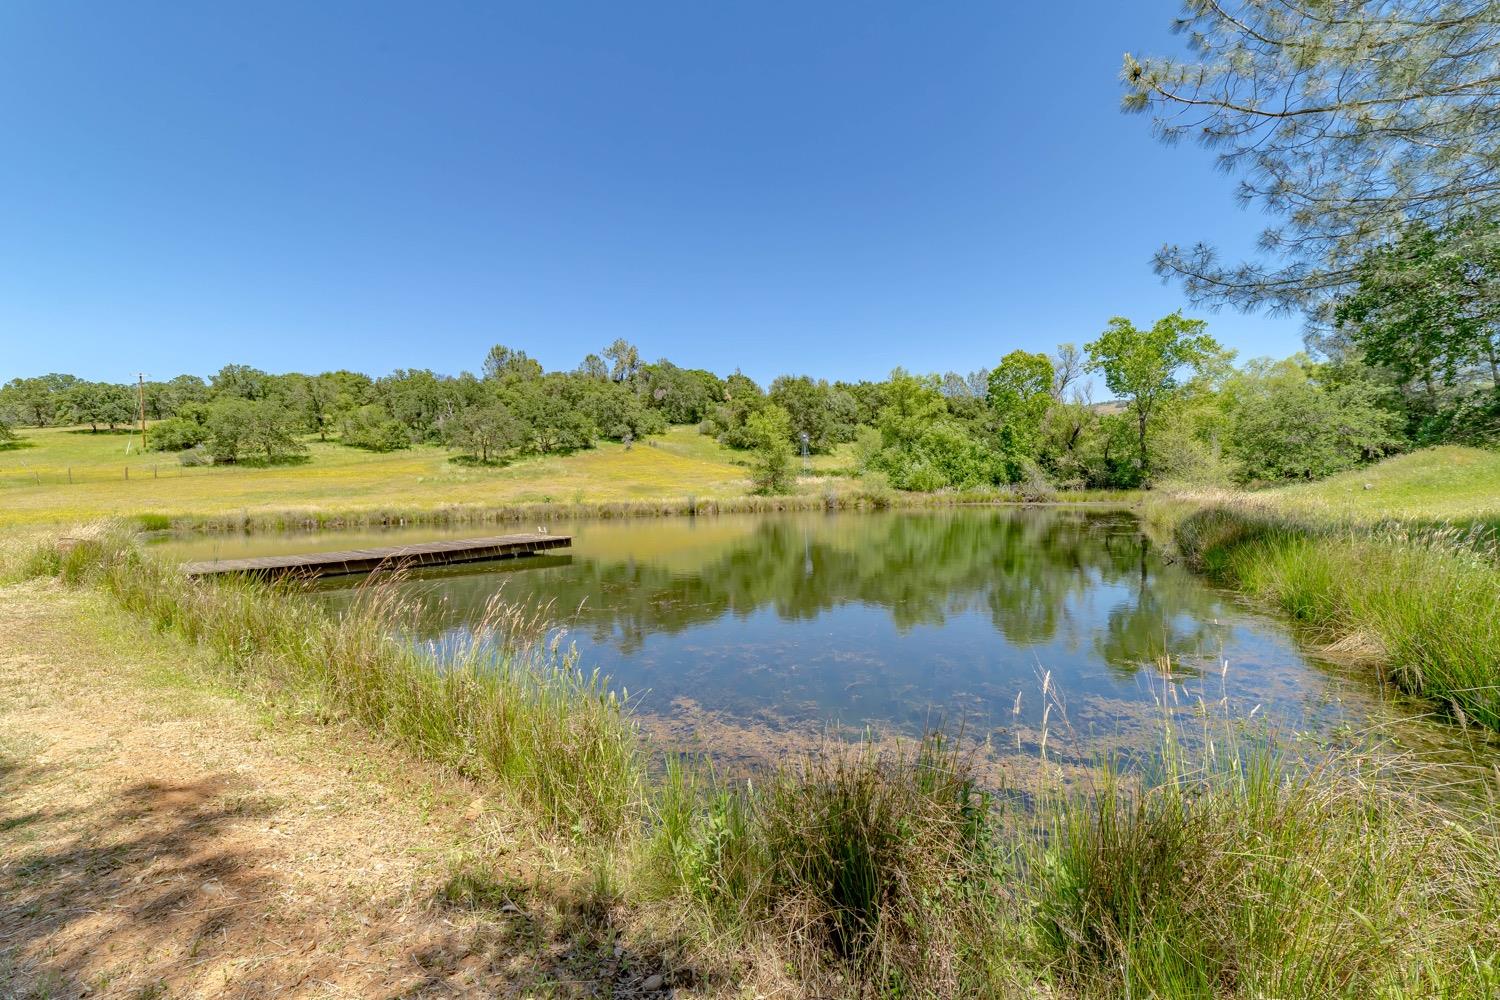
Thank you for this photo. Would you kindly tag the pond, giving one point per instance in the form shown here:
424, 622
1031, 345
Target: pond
750, 636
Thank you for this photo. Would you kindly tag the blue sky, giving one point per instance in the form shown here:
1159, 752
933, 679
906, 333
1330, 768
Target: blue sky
826, 188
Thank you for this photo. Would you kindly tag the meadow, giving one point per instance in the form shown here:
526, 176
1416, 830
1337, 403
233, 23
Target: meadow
60, 475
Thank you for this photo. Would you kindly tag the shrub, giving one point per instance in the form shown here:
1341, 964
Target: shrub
369, 427
768, 429
175, 434
194, 457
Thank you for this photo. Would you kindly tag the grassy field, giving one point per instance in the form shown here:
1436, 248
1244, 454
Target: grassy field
68, 475
1450, 483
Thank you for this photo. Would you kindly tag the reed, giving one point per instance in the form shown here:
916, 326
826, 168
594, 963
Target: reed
1422, 603
1240, 870
861, 497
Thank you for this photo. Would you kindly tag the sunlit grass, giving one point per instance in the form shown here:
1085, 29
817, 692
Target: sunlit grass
1423, 606
510, 709
1451, 484
68, 475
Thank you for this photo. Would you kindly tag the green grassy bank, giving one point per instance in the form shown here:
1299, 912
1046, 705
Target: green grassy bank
1397, 565
879, 871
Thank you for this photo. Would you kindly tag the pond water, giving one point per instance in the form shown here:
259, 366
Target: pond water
749, 635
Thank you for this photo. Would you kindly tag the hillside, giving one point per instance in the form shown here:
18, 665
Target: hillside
1435, 484
68, 474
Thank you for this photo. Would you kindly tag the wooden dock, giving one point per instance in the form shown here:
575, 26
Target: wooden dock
444, 553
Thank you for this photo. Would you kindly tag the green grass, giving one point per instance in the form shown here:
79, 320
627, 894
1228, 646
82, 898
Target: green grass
1426, 612
70, 475
1449, 484
1405, 574
880, 871
513, 710
1242, 873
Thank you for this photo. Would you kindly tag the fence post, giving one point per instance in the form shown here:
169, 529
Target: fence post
127, 472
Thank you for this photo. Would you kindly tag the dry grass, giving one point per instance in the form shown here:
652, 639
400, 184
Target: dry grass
163, 834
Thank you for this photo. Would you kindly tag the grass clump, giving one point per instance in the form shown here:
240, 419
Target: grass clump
1259, 877
1424, 604
868, 871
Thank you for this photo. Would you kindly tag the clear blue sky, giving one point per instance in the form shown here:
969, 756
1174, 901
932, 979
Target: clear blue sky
825, 188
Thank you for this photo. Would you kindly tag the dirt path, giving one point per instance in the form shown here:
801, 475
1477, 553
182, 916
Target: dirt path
161, 835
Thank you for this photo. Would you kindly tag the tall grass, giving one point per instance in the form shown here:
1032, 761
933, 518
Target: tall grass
861, 867
873, 869
1425, 605
512, 710
1243, 872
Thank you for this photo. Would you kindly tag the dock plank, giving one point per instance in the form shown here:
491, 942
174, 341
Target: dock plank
349, 561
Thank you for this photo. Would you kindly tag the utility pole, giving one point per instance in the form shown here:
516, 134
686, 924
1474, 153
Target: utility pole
140, 399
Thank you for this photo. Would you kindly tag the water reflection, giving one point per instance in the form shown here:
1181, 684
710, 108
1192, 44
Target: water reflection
897, 619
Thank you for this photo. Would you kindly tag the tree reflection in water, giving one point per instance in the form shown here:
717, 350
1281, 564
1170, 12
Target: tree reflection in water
892, 617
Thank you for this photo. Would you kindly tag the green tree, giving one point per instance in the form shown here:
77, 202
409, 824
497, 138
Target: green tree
730, 420
616, 410
814, 410
485, 431
1426, 310
503, 362
1020, 394
1285, 422
769, 431
38, 401
684, 395
624, 360
1349, 121
96, 403
552, 417
240, 382
419, 400
370, 427
240, 428
1143, 367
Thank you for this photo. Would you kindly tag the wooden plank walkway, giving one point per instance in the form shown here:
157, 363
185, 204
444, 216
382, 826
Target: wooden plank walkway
445, 553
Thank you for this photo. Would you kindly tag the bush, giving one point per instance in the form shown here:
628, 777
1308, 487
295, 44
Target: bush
369, 427
942, 455
175, 434
767, 429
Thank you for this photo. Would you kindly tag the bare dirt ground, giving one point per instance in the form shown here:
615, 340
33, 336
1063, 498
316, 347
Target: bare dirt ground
162, 835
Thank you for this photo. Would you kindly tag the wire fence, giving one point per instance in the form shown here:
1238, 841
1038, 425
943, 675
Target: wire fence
19, 476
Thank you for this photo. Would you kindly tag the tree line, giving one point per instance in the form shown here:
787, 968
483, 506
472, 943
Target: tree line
1178, 406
